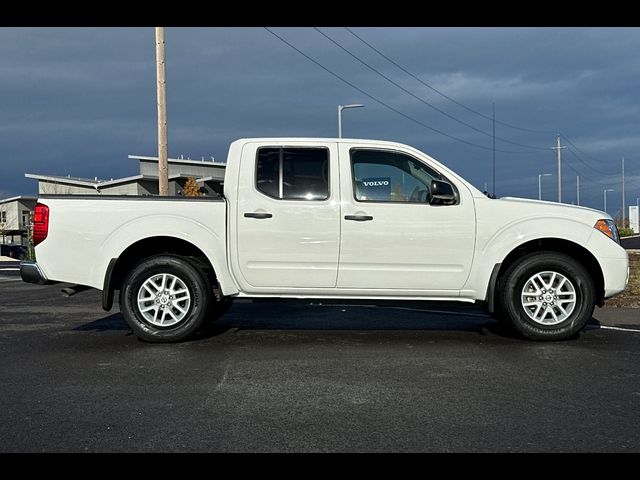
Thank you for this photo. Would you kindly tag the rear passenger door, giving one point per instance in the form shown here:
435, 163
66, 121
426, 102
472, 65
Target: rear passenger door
288, 216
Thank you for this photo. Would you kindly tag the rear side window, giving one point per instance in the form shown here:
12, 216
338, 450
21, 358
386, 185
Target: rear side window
293, 173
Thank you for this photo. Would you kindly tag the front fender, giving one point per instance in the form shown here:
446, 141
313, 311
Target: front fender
492, 247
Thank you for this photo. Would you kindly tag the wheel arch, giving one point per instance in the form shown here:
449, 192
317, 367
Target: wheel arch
567, 247
148, 247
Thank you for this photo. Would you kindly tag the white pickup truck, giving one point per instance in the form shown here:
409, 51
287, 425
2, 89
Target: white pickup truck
331, 219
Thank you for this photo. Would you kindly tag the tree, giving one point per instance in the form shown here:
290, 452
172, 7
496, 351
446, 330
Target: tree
191, 188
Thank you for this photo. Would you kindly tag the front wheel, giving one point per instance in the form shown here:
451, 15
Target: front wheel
546, 296
165, 299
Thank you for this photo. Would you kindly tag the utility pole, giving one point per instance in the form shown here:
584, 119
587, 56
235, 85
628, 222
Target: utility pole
493, 110
163, 173
623, 202
558, 148
578, 189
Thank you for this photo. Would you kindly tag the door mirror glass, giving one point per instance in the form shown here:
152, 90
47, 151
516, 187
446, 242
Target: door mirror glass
442, 193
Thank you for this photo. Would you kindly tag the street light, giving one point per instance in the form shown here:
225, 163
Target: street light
340, 108
605, 197
540, 175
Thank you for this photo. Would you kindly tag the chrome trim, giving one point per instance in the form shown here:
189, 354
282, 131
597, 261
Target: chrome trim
32, 273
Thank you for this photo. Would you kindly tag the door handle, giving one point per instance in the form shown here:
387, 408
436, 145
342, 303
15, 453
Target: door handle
358, 218
257, 215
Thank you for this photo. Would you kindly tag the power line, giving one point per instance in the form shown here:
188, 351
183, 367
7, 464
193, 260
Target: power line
588, 177
595, 170
586, 155
466, 107
386, 105
421, 99
546, 132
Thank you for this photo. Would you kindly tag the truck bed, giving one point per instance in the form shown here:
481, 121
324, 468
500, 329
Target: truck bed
87, 231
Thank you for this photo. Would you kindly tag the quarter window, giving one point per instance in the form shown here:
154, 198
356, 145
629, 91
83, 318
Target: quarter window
386, 176
293, 173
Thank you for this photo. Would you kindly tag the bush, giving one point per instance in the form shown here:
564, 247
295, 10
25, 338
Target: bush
625, 232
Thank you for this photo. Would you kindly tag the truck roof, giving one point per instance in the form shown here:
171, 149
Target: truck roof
317, 139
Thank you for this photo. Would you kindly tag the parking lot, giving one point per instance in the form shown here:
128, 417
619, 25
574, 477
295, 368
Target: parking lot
301, 376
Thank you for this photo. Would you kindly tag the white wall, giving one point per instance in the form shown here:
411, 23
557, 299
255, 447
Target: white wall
51, 188
12, 214
634, 218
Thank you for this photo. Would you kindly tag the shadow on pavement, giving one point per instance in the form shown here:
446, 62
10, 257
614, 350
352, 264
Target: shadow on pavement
332, 317
110, 322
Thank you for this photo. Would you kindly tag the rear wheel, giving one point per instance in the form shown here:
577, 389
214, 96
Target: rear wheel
546, 296
165, 299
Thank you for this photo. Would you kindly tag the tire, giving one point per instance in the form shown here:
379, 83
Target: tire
218, 304
531, 303
178, 309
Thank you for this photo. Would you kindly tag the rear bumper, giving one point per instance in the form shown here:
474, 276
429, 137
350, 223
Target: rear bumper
32, 273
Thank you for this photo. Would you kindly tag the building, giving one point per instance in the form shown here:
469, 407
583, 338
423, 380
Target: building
208, 174
15, 218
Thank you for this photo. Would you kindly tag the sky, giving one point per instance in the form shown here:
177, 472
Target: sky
77, 101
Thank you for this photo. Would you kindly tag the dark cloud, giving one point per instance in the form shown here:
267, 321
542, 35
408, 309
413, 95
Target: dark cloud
78, 100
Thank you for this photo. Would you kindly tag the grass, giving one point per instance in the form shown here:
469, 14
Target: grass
630, 298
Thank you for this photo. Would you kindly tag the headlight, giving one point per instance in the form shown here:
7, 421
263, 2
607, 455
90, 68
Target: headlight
608, 227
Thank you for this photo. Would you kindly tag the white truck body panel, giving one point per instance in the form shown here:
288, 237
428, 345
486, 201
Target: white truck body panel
85, 234
308, 250
298, 247
408, 246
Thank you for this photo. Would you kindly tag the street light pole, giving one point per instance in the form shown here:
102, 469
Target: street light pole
340, 108
540, 175
578, 189
605, 197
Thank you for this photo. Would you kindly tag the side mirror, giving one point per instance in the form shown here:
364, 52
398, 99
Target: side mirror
442, 192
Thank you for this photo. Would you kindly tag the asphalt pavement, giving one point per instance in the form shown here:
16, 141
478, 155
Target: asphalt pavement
307, 377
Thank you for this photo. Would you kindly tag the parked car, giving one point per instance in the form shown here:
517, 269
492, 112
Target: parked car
331, 219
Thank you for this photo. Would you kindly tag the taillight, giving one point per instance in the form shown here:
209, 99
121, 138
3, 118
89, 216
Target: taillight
40, 223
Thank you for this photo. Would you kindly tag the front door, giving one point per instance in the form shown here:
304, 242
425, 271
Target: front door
393, 239
288, 216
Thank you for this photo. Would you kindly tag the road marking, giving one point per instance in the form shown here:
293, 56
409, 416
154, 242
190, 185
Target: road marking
620, 328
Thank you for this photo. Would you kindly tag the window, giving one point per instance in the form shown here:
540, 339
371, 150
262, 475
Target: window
3, 217
293, 173
26, 217
386, 176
